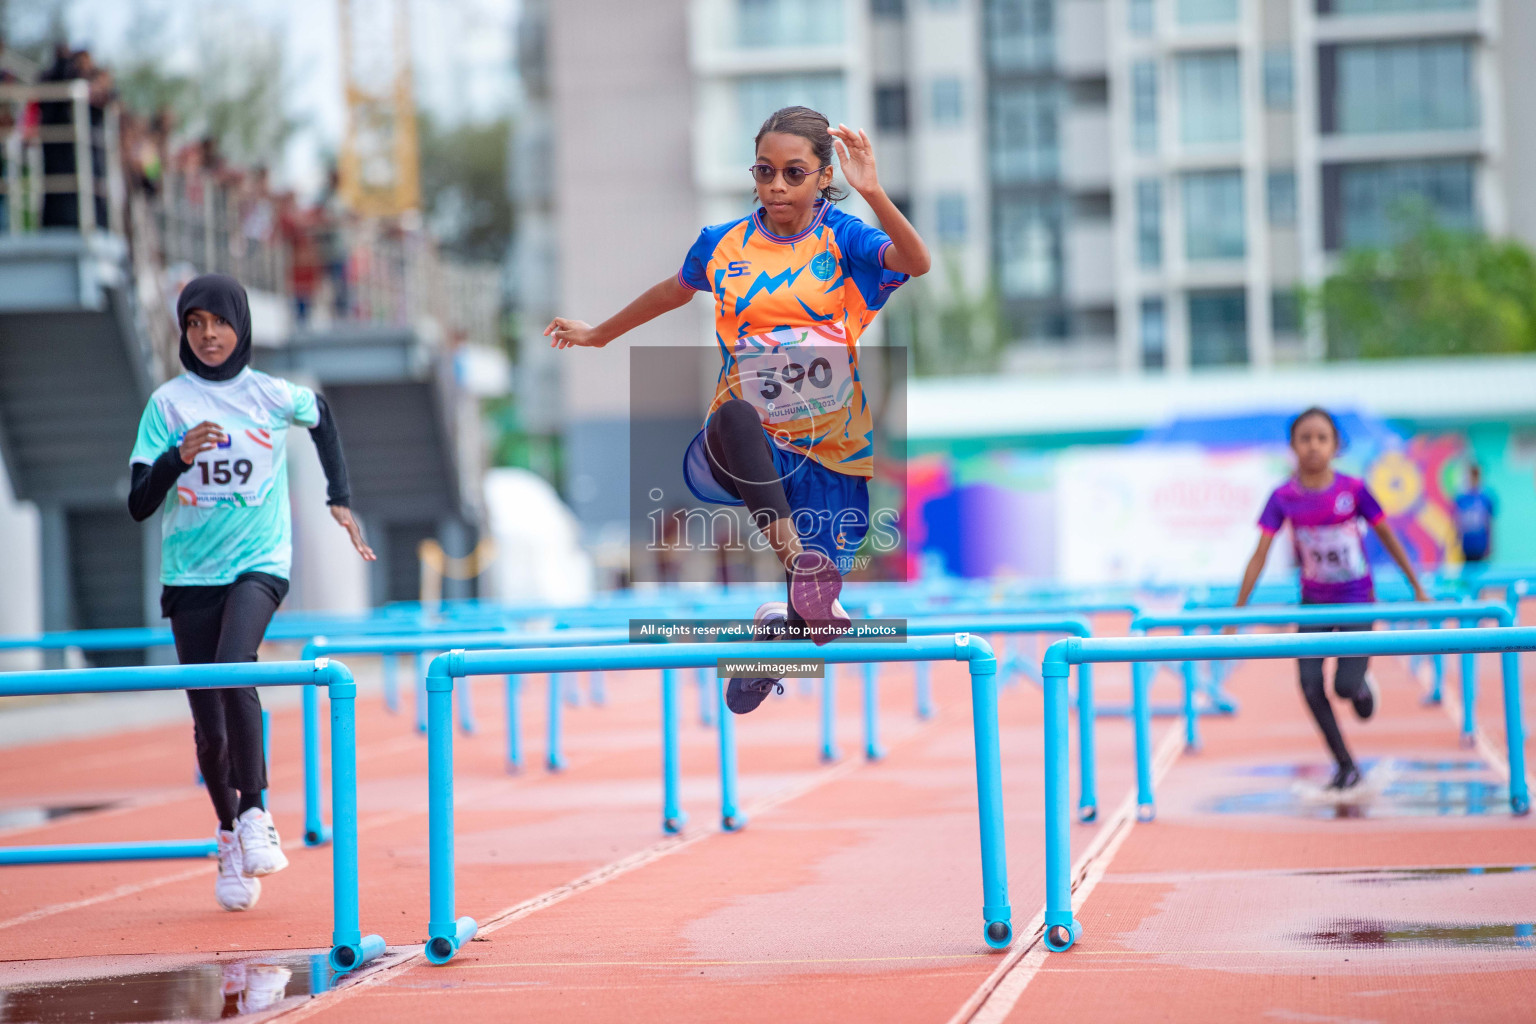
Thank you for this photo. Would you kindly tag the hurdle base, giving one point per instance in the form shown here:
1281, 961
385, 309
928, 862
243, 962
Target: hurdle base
350, 956
442, 948
1060, 937
320, 838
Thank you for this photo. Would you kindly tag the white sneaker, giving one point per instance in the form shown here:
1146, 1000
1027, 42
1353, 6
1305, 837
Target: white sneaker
232, 888
265, 987
260, 847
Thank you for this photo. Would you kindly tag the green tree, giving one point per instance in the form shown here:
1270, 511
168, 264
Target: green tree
464, 185
1435, 292
235, 97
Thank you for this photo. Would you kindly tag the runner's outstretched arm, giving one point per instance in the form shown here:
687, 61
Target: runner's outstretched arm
1255, 566
1394, 548
660, 298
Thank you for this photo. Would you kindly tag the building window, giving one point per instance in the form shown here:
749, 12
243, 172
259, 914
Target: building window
1218, 327
888, 8
1285, 313
1280, 190
1154, 335
1028, 248
1143, 15
1391, 6
1213, 215
1396, 87
891, 108
1144, 105
1025, 132
1149, 223
1279, 80
1210, 98
1021, 34
944, 101
1365, 205
1206, 12
949, 217
757, 96
762, 23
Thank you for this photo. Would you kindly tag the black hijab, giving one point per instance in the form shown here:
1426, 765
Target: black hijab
222, 296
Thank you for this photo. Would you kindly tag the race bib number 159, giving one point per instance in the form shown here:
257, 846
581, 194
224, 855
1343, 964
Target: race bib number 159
236, 473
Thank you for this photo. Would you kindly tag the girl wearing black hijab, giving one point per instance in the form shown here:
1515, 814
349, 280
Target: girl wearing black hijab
211, 454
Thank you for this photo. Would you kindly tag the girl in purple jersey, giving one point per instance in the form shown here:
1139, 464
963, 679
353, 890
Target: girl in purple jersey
1324, 509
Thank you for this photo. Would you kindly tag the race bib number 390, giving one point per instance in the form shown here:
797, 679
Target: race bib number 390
237, 473
795, 373
1331, 554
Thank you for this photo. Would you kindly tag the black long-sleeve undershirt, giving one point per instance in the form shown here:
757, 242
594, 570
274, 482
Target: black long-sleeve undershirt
327, 440
150, 484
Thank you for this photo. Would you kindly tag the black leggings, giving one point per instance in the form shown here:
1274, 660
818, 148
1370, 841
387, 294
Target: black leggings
1348, 678
741, 462
221, 625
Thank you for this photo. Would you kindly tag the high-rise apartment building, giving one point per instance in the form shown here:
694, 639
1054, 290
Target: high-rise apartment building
1252, 141
1133, 185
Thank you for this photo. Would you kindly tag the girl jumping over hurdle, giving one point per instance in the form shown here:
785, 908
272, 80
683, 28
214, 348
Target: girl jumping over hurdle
1325, 509
211, 453
788, 433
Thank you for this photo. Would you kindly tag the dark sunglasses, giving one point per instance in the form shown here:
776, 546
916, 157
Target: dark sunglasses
764, 174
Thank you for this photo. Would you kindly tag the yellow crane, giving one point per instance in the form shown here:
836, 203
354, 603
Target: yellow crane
379, 166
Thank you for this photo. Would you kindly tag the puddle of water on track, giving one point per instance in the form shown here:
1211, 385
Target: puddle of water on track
1400, 799
1393, 788
1365, 934
30, 817
1313, 771
1394, 876
196, 992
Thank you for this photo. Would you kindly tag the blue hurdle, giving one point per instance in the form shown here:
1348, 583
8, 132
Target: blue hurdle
447, 933
1061, 928
1345, 614
349, 947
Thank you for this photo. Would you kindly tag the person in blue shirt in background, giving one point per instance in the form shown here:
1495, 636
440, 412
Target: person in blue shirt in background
1475, 509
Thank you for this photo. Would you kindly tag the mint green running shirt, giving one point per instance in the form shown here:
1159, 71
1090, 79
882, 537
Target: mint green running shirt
229, 513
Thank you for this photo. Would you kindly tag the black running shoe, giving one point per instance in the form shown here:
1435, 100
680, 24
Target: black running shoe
744, 694
1345, 779
1365, 700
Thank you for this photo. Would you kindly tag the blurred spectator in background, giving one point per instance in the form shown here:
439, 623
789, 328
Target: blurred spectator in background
330, 240
60, 208
295, 226
1475, 509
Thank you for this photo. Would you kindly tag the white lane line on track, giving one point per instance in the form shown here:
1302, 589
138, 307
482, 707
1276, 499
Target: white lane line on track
607, 873
996, 997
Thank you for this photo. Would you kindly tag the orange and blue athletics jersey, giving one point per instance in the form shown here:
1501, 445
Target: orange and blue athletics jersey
774, 296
